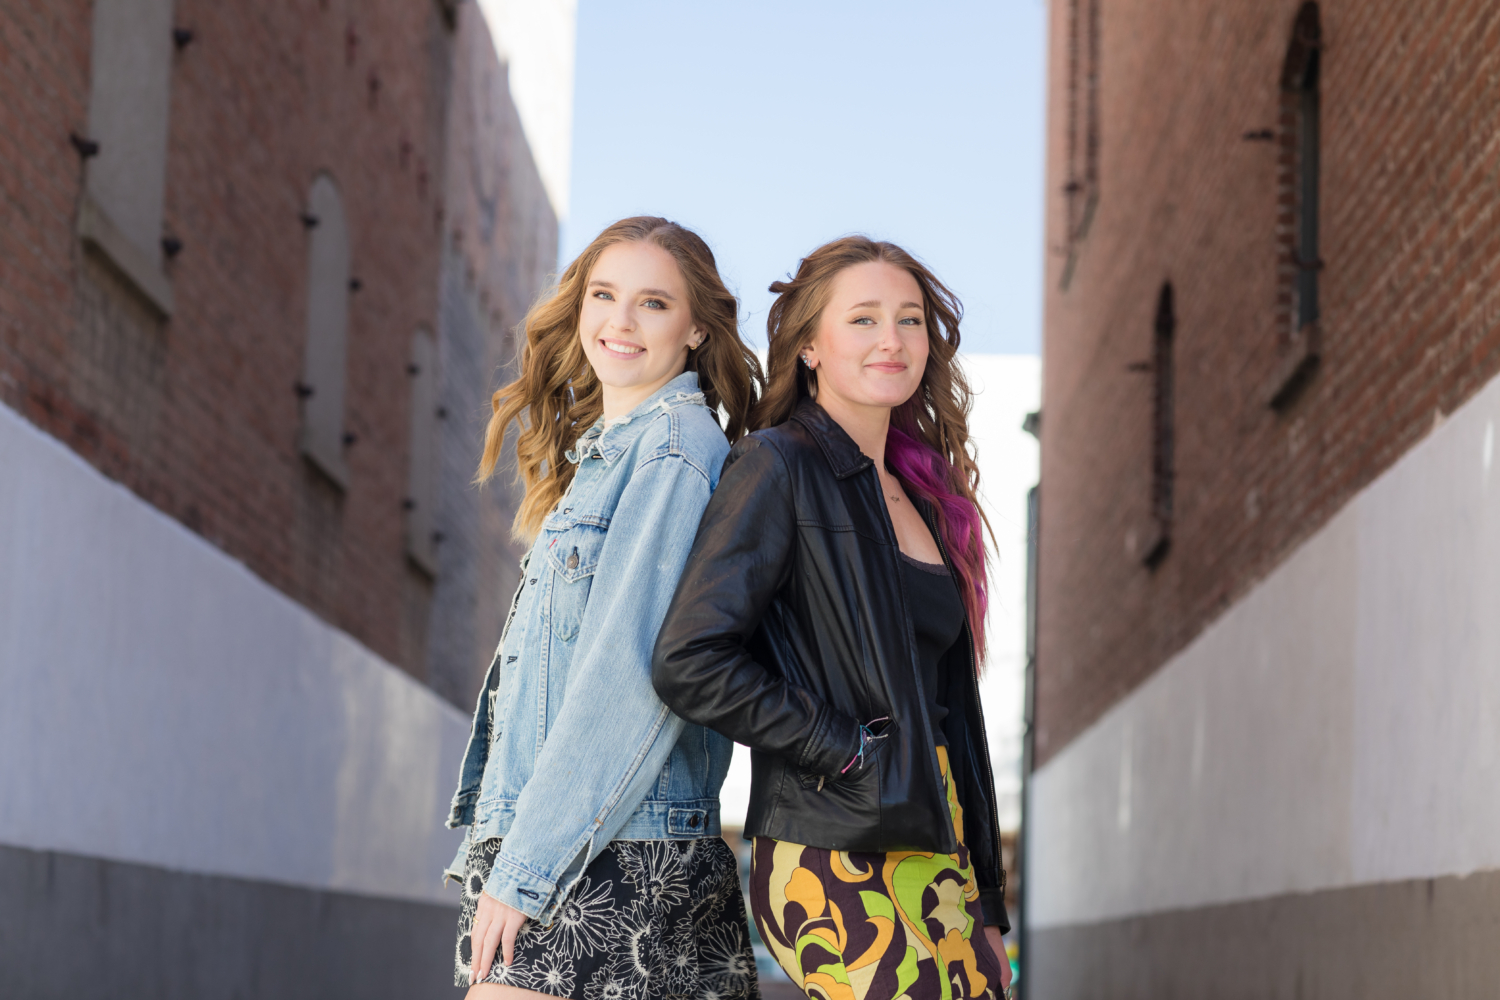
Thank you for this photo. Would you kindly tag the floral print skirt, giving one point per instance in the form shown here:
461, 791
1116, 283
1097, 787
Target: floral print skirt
851, 925
648, 920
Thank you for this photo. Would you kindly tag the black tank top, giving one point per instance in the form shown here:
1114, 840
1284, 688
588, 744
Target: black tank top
937, 615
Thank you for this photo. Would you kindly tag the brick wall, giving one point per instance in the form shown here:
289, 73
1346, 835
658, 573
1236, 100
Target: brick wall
197, 413
1409, 323
501, 250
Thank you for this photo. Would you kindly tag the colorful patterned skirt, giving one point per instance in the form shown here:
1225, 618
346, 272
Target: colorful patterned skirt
854, 925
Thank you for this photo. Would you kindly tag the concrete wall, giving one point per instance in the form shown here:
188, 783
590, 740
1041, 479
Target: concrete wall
163, 710
1335, 730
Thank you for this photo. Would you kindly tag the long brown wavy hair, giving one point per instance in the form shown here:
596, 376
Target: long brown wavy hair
557, 396
928, 447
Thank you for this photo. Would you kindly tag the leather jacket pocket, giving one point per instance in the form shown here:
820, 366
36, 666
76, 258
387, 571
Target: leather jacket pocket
572, 553
860, 769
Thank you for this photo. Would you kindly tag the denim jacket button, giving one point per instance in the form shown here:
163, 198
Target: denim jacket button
573, 558
693, 821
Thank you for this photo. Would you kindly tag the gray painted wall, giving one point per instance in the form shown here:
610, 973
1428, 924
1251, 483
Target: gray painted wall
74, 927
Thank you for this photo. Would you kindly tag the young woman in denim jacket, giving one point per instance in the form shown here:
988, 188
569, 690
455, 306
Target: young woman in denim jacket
593, 868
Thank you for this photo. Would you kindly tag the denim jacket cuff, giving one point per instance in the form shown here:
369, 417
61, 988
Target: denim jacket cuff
520, 888
461, 813
458, 868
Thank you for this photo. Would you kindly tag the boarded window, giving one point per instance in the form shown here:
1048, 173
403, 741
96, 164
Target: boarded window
325, 364
129, 96
1301, 156
1300, 83
1163, 436
1081, 189
421, 496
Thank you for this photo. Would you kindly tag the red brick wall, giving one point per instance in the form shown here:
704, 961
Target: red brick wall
1410, 306
197, 413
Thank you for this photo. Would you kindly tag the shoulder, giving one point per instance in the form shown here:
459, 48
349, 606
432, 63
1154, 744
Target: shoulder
787, 444
687, 434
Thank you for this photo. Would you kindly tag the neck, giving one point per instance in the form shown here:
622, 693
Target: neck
867, 426
620, 400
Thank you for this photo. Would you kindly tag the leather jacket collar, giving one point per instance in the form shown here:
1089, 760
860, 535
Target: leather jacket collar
839, 448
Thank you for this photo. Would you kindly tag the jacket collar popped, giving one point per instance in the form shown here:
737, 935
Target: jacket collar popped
610, 441
838, 447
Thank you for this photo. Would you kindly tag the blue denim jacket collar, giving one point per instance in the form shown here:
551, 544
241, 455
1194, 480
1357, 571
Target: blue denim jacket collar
611, 440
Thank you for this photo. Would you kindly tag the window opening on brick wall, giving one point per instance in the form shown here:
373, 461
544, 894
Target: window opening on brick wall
421, 491
1081, 189
1301, 137
1163, 426
130, 69
324, 365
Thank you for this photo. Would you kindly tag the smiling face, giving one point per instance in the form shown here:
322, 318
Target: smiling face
635, 324
870, 348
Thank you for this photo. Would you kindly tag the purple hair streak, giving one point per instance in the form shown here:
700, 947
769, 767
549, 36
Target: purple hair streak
927, 474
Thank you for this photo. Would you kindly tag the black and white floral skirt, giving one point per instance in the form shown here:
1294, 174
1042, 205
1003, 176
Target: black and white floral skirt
649, 920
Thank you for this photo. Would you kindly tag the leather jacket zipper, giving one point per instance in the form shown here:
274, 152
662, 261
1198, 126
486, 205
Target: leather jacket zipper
984, 742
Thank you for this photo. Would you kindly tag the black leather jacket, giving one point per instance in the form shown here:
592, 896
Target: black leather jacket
790, 627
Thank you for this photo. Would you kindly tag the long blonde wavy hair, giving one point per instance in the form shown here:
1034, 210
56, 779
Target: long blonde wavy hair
928, 447
557, 396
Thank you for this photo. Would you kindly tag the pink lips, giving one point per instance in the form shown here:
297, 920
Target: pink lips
888, 366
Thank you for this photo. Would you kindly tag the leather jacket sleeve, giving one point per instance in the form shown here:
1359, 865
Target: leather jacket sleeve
701, 667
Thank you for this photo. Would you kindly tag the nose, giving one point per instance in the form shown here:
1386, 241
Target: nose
622, 317
890, 338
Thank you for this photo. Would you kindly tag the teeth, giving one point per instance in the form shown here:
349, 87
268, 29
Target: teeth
623, 348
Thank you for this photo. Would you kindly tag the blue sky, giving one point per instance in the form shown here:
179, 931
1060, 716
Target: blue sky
772, 126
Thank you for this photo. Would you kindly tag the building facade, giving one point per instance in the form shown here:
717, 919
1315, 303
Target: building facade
1268, 644
260, 271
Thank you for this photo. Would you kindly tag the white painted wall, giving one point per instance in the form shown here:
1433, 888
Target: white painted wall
1006, 388
160, 704
537, 39
1335, 727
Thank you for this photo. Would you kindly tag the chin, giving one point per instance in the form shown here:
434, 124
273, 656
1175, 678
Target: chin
891, 399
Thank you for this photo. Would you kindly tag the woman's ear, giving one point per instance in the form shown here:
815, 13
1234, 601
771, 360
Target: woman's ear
695, 338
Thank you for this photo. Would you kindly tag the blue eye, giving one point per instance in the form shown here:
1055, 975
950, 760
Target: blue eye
912, 321
604, 295
655, 303
865, 320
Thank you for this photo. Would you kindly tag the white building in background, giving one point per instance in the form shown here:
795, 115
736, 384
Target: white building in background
535, 40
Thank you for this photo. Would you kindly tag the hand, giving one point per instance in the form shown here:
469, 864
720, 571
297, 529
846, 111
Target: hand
997, 942
495, 924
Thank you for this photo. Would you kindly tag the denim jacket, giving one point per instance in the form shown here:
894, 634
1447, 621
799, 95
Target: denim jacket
570, 746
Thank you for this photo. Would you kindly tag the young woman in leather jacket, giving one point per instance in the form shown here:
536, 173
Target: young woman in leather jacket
830, 617
593, 866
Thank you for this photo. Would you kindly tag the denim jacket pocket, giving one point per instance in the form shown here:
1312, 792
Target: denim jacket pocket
573, 553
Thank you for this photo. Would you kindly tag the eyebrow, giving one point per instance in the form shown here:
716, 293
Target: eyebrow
659, 293
873, 304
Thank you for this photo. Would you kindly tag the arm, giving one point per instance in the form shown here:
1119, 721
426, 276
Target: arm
611, 719
701, 669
